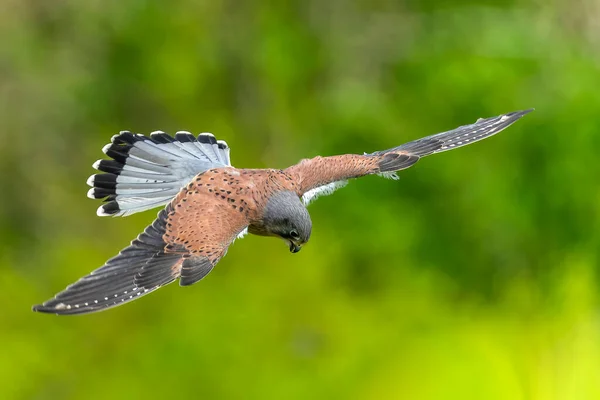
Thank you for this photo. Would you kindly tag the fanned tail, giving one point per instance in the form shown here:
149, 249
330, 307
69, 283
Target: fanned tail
147, 172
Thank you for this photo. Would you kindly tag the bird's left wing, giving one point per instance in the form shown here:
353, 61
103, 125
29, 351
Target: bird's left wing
323, 175
187, 239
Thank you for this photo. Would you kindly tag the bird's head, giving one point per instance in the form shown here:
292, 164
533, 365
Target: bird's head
287, 217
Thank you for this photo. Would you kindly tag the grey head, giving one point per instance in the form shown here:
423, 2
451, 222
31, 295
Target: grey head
286, 217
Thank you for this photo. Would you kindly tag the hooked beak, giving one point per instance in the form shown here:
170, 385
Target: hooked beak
294, 248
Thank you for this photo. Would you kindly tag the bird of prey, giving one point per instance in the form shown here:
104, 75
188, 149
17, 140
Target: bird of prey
209, 204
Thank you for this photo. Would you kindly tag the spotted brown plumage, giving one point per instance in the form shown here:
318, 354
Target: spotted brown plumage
319, 171
206, 217
209, 204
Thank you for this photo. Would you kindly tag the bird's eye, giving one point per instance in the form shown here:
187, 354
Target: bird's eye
294, 234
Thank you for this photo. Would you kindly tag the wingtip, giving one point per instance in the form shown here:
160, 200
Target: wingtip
60, 309
520, 113
511, 116
45, 309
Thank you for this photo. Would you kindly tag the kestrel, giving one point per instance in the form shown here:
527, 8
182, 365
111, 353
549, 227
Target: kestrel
209, 204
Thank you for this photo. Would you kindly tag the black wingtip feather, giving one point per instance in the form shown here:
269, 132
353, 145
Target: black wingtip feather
519, 114
461, 136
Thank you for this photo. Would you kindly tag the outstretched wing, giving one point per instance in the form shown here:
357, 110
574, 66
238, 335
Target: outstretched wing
148, 171
186, 241
323, 175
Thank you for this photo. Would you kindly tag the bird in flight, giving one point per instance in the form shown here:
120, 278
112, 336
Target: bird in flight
209, 204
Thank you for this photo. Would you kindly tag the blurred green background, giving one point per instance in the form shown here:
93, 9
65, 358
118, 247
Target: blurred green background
473, 277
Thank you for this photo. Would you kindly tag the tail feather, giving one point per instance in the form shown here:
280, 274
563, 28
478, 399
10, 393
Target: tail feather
118, 168
185, 145
204, 145
132, 204
208, 141
224, 151
144, 192
147, 172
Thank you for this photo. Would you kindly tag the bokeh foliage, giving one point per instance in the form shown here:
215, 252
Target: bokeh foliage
473, 277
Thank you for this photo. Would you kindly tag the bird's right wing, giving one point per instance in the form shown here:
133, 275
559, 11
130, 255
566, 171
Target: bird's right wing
187, 239
323, 175
148, 171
